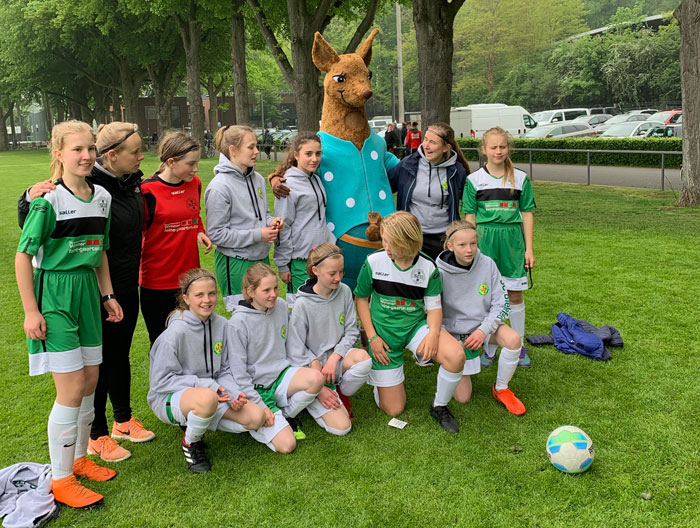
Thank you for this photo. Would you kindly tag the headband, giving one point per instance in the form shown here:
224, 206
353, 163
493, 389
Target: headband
462, 228
187, 287
115, 145
331, 254
184, 152
438, 134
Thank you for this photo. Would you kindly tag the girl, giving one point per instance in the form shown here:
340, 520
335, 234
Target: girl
303, 211
475, 304
64, 239
256, 336
235, 200
322, 334
172, 228
404, 286
498, 199
433, 198
190, 379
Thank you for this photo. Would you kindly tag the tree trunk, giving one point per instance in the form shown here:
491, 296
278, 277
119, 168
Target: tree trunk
165, 84
99, 95
308, 94
49, 114
4, 140
688, 15
213, 105
22, 127
434, 22
190, 31
13, 131
240, 74
131, 82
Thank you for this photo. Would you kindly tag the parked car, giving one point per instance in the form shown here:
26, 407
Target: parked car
475, 119
592, 120
665, 131
554, 116
623, 118
649, 111
559, 130
612, 110
667, 116
630, 129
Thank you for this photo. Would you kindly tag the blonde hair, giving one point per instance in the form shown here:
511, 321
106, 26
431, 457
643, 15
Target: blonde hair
509, 175
404, 233
458, 225
252, 278
111, 136
175, 145
446, 133
231, 136
301, 139
321, 253
58, 139
186, 280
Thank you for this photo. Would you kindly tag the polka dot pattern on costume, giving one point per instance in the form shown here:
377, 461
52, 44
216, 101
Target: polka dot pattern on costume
382, 195
350, 202
330, 226
374, 155
328, 176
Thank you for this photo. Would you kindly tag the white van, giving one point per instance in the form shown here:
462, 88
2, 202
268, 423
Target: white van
475, 119
555, 116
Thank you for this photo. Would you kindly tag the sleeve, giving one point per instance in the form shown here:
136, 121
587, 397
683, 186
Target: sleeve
390, 161
286, 209
298, 354
166, 370
500, 307
225, 376
432, 297
22, 208
108, 225
394, 175
364, 286
200, 224
220, 232
149, 204
39, 224
352, 331
469, 198
236, 343
268, 216
527, 198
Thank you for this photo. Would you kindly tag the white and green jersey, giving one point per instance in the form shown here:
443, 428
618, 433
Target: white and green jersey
492, 202
63, 232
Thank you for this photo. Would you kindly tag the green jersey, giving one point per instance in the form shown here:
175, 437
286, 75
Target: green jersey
63, 232
492, 202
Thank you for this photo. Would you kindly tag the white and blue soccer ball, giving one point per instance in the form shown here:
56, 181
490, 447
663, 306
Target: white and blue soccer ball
570, 449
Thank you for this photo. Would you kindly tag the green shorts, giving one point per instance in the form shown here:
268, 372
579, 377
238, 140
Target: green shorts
268, 393
70, 304
505, 244
229, 274
397, 343
299, 275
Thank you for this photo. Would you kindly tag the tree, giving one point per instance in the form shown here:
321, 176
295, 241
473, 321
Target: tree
238, 58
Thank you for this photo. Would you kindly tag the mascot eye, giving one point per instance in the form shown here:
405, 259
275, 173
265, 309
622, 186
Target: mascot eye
369, 75
339, 78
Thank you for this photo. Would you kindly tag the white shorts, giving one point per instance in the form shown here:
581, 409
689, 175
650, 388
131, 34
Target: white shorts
62, 362
393, 377
316, 408
231, 301
264, 435
182, 419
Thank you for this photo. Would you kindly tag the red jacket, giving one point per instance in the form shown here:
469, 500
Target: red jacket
413, 138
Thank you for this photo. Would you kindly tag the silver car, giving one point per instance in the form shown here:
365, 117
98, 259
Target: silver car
560, 130
630, 129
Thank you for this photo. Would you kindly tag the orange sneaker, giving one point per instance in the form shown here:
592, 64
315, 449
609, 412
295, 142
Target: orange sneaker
84, 467
507, 398
107, 449
72, 493
133, 430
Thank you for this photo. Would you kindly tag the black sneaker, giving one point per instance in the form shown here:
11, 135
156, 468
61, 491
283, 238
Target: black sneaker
444, 417
196, 457
295, 424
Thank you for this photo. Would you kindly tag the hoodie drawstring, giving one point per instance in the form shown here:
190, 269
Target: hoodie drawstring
442, 191
251, 194
323, 197
208, 362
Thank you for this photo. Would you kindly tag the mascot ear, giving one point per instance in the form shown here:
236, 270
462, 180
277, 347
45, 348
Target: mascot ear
323, 54
365, 49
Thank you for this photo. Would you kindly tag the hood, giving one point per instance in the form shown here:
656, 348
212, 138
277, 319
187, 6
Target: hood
245, 307
105, 178
225, 166
295, 172
447, 262
307, 290
443, 165
189, 323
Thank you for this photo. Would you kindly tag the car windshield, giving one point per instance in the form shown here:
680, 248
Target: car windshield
583, 118
617, 119
543, 116
538, 132
621, 129
660, 116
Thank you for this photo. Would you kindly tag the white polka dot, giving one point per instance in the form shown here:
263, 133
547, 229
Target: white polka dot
330, 226
382, 195
328, 176
350, 202
374, 155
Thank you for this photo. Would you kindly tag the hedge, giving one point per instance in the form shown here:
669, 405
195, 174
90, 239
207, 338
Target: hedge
576, 158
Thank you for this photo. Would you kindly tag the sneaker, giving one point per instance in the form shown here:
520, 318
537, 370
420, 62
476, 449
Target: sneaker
444, 417
524, 360
485, 358
295, 424
72, 493
84, 467
428, 363
133, 430
196, 456
107, 449
507, 398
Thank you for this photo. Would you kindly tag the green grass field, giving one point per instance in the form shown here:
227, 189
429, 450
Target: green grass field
612, 256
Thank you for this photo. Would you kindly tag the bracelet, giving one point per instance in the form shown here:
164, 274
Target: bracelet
375, 336
107, 297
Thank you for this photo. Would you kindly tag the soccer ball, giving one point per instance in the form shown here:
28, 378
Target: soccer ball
570, 449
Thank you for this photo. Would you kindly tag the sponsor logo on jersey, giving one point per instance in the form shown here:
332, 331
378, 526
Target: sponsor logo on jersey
417, 275
483, 288
218, 348
179, 191
341, 319
283, 332
192, 204
381, 274
81, 246
66, 212
180, 226
39, 208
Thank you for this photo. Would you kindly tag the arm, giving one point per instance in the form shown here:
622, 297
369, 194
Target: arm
219, 227
528, 229
286, 209
469, 205
105, 283
202, 238
500, 308
298, 354
429, 346
34, 323
378, 347
166, 373
351, 333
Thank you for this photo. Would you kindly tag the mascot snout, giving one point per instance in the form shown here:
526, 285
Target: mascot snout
367, 94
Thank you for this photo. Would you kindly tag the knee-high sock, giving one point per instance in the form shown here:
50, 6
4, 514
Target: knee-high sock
230, 426
85, 419
375, 391
507, 363
517, 319
446, 384
355, 377
297, 402
63, 433
332, 430
196, 427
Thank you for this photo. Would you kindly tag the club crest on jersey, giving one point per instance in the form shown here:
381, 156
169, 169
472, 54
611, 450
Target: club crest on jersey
218, 348
417, 276
192, 204
444, 185
283, 332
102, 204
341, 319
260, 192
483, 288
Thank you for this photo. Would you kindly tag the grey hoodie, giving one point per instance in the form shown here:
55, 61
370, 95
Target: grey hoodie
256, 340
429, 198
189, 354
304, 214
237, 211
472, 298
319, 326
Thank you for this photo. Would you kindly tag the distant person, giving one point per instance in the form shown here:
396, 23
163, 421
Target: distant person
267, 141
392, 138
413, 138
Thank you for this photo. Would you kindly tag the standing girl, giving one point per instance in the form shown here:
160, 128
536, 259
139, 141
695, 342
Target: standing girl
255, 338
64, 238
498, 199
190, 377
475, 305
238, 221
303, 211
172, 228
322, 335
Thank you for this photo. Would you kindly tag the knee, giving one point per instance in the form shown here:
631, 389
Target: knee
255, 418
205, 403
454, 359
462, 397
393, 409
315, 381
513, 342
286, 444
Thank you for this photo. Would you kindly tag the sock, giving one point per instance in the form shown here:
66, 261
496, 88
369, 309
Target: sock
517, 319
446, 384
230, 426
375, 390
196, 427
489, 349
85, 419
507, 363
355, 377
297, 402
332, 430
63, 433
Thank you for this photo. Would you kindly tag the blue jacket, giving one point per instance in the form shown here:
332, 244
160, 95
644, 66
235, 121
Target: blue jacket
570, 338
402, 179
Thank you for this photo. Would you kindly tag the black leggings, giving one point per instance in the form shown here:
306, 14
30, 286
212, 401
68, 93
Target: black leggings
432, 244
156, 305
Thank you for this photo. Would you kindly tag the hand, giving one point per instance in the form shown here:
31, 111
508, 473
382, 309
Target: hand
203, 240
529, 259
328, 398
428, 347
330, 367
286, 277
239, 402
269, 418
114, 310
278, 188
316, 365
40, 189
269, 234
277, 222
379, 350
222, 395
35, 325
475, 340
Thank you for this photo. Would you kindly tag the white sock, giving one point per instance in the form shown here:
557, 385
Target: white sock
446, 384
490, 349
85, 419
63, 433
230, 426
332, 430
507, 363
375, 391
517, 319
355, 377
297, 402
196, 427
